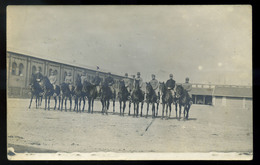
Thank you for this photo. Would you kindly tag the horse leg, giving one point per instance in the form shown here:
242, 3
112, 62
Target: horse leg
107, 106
137, 109
75, 105
124, 105
65, 104
142, 105
114, 102
157, 107
30, 101
49, 102
129, 108
166, 112
89, 105
59, 103
134, 108
92, 104
170, 108
45, 102
176, 109
147, 109
102, 110
84, 102
179, 112
120, 106
188, 109
70, 99
55, 102
163, 106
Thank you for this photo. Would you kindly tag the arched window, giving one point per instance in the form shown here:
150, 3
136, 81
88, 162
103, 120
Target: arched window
40, 69
21, 69
65, 74
14, 67
55, 72
33, 69
50, 70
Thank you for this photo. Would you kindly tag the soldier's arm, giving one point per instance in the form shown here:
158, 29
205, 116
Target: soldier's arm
189, 88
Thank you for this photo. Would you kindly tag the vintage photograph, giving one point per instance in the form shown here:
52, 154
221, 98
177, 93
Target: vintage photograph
148, 82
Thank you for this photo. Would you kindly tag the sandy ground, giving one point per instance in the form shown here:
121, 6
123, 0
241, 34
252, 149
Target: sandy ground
209, 129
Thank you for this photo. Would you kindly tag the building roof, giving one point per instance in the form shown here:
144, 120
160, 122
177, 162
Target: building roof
233, 91
60, 61
202, 91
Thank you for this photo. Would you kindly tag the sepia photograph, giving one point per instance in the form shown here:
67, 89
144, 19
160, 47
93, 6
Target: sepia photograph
129, 82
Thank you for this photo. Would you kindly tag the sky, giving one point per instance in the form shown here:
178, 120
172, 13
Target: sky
208, 44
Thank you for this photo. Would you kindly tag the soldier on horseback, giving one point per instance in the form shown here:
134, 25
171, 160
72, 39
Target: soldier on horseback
127, 82
53, 79
155, 84
84, 77
187, 86
170, 84
68, 79
96, 81
139, 79
38, 75
109, 81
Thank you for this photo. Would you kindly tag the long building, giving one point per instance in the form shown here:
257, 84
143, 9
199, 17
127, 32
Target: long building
20, 68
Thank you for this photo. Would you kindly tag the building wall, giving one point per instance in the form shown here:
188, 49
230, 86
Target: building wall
19, 77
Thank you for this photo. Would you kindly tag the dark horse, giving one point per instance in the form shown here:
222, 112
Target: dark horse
91, 92
123, 95
182, 99
105, 95
78, 95
56, 95
48, 91
167, 100
137, 97
66, 93
36, 90
151, 98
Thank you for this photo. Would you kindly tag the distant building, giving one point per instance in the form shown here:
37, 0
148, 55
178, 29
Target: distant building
222, 95
20, 68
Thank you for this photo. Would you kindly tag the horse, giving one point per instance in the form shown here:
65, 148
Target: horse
66, 93
123, 95
167, 99
91, 92
151, 98
36, 90
56, 95
78, 95
105, 95
137, 97
48, 91
182, 99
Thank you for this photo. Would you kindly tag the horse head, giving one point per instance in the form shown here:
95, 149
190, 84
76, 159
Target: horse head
162, 87
179, 91
121, 84
149, 87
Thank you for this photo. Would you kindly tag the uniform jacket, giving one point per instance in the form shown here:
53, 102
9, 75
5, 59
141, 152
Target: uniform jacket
170, 83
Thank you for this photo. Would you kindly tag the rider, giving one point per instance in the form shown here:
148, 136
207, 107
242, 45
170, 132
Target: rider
109, 81
187, 86
38, 75
84, 77
127, 82
170, 84
96, 81
139, 79
53, 79
155, 85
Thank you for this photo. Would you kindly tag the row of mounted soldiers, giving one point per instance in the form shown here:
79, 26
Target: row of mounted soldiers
128, 84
